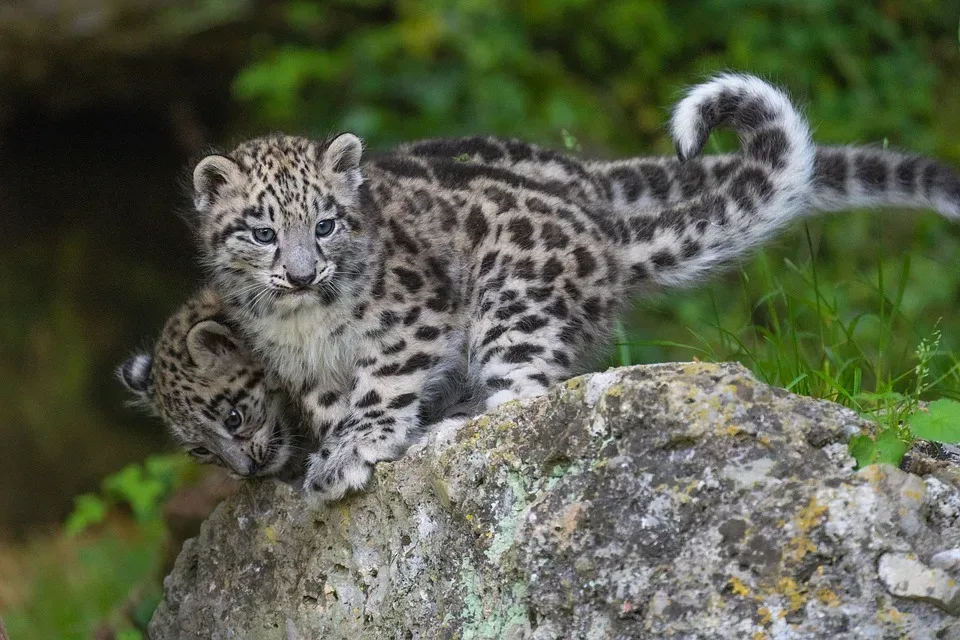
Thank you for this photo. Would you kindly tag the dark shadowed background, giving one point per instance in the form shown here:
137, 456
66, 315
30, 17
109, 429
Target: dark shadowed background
104, 103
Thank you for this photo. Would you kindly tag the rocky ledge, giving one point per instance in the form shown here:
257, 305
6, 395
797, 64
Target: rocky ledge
676, 500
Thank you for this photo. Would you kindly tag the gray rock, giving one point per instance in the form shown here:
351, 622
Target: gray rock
676, 500
948, 560
907, 577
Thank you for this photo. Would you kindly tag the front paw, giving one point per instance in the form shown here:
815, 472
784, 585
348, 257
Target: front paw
332, 474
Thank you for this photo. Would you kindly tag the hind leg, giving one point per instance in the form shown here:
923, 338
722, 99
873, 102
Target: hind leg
521, 345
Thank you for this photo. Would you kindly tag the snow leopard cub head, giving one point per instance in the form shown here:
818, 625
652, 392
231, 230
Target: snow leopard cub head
278, 221
211, 393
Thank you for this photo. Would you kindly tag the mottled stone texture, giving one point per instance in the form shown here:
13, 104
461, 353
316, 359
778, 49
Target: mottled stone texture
677, 500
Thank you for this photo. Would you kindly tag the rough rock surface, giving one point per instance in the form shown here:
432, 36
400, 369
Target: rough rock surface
678, 500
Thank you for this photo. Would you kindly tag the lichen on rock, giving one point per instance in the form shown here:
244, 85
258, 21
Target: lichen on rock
676, 500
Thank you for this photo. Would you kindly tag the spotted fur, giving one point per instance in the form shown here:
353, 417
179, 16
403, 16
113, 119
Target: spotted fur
212, 394
484, 269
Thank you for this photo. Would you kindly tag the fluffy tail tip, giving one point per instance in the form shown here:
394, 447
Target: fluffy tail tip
744, 101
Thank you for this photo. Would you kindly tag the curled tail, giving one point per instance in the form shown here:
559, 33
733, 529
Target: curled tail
767, 187
850, 177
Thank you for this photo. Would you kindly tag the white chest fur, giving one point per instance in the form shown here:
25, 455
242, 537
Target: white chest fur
300, 347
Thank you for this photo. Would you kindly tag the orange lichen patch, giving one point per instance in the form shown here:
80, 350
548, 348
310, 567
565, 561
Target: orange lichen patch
760, 635
738, 587
796, 594
828, 597
733, 430
809, 517
891, 615
913, 494
799, 546
765, 615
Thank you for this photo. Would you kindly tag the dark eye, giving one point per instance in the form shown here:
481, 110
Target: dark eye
200, 452
264, 235
326, 227
234, 420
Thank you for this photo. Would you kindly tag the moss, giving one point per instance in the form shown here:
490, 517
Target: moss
441, 489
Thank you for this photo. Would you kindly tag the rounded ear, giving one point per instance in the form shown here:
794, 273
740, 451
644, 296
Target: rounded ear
209, 176
135, 374
343, 154
209, 343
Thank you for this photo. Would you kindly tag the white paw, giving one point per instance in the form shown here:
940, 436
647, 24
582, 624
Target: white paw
385, 450
330, 477
443, 433
497, 399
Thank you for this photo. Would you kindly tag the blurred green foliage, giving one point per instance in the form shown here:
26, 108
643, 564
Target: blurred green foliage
605, 70
106, 581
141, 487
106, 573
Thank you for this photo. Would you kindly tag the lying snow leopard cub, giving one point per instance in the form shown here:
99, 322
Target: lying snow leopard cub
361, 288
212, 395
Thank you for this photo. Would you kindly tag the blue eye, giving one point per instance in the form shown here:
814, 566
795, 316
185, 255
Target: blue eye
234, 420
326, 227
264, 235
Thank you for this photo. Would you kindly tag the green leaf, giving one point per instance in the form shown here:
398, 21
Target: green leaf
940, 422
142, 492
88, 509
888, 448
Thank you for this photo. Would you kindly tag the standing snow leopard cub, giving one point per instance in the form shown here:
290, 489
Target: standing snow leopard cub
230, 379
363, 288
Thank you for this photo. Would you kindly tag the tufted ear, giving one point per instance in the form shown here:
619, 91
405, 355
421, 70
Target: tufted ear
343, 154
210, 343
135, 375
209, 177
340, 161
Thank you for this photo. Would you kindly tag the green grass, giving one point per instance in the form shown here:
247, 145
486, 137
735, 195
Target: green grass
844, 336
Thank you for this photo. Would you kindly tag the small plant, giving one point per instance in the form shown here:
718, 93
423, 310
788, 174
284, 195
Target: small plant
141, 488
905, 419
